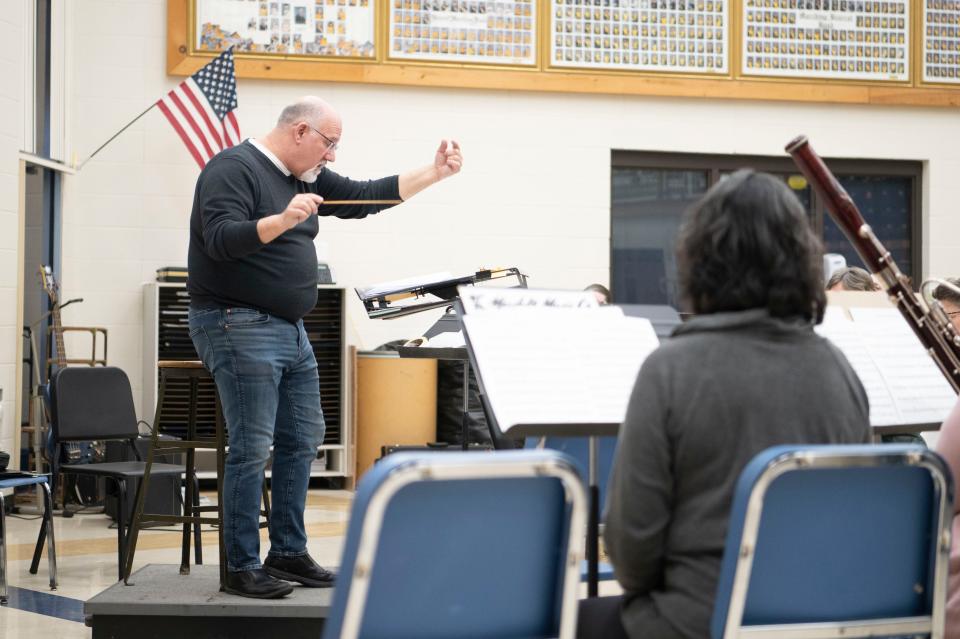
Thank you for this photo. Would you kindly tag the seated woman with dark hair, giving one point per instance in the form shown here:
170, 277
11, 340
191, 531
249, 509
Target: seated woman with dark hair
852, 278
746, 373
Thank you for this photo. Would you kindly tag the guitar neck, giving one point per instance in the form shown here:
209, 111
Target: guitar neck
61, 355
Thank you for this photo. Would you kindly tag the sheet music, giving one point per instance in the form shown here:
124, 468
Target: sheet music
846, 336
558, 365
919, 389
386, 288
902, 382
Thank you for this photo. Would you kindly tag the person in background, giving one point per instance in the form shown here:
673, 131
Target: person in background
252, 278
852, 278
950, 300
747, 372
601, 292
948, 445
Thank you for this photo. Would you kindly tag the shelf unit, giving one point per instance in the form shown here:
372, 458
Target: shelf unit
166, 337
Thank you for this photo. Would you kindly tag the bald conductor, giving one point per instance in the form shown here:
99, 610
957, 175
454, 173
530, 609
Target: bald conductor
252, 278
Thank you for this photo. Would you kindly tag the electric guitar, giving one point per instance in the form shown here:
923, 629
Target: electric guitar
71, 452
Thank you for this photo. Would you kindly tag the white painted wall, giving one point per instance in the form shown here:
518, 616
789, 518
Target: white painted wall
12, 21
534, 192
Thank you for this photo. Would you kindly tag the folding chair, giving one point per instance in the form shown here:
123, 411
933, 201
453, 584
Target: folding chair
97, 403
837, 541
462, 544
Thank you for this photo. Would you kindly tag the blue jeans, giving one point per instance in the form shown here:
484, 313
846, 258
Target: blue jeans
266, 376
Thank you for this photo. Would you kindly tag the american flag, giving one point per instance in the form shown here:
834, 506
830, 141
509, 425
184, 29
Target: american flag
202, 107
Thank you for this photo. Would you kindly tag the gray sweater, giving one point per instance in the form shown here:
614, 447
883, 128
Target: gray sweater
723, 388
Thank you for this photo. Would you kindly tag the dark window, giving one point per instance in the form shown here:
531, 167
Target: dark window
647, 208
651, 191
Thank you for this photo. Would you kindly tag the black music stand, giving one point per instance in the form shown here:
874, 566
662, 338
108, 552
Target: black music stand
449, 323
592, 432
397, 299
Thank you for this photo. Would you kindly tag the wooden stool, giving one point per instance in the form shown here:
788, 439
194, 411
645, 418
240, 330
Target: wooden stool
193, 372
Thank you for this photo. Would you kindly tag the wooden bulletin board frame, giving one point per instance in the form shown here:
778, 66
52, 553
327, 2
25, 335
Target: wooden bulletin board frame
182, 60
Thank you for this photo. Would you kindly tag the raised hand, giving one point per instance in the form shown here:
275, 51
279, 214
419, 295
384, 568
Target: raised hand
448, 159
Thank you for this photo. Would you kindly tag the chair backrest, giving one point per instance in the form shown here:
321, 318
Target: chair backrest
462, 544
837, 541
92, 403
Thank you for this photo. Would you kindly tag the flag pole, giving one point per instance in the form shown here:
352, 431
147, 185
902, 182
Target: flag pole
114, 136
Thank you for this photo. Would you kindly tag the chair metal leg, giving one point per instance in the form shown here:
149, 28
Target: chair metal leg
131, 541
197, 541
51, 543
189, 509
41, 539
142, 486
46, 536
191, 493
3, 554
121, 526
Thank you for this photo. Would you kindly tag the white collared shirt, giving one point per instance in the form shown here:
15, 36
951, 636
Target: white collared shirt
270, 156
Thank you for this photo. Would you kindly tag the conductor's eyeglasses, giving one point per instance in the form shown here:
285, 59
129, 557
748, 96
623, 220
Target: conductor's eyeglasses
331, 145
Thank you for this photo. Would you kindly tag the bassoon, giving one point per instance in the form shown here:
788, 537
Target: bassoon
928, 320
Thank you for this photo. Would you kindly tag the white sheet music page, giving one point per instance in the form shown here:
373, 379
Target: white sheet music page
846, 336
558, 364
920, 391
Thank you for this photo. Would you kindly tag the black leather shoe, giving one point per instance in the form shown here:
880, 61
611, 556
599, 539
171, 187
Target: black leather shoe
302, 569
257, 584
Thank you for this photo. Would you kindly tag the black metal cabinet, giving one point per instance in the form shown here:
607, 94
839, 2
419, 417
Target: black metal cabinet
166, 337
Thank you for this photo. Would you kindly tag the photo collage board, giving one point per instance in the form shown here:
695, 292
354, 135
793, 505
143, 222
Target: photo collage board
325, 28
857, 40
491, 31
690, 36
941, 41
836, 39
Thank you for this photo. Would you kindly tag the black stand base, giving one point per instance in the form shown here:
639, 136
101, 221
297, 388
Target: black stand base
593, 543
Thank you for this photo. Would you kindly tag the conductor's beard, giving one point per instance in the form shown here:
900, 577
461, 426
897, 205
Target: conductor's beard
311, 176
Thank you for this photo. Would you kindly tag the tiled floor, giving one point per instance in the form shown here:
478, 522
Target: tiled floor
87, 562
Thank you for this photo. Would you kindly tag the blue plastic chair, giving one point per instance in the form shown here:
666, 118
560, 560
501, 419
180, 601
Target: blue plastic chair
46, 530
830, 541
462, 545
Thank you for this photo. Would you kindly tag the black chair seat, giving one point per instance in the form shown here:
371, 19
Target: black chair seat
122, 469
